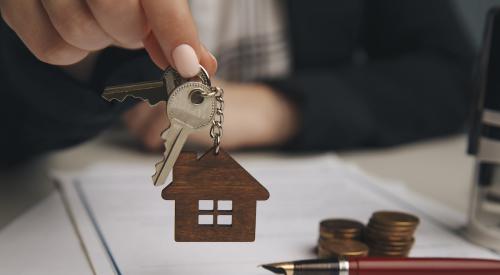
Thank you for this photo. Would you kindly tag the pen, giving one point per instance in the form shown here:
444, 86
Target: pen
387, 266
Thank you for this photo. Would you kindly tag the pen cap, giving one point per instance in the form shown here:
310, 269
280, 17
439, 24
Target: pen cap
424, 266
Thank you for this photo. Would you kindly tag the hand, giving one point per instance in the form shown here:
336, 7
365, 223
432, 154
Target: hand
254, 116
63, 32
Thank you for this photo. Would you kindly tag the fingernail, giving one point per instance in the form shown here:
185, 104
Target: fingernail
212, 56
185, 60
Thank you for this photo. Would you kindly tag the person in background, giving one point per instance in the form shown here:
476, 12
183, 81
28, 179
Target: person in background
297, 75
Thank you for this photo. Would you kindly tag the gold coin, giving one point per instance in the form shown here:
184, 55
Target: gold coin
390, 248
389, 254
392, 221
395, 218
389, 242
393, 228
340, 225
390, 233
345, 247
338, 235
341, 235
372, 234
324, 253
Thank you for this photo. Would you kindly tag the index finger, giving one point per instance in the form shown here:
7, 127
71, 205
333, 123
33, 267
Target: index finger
174, 28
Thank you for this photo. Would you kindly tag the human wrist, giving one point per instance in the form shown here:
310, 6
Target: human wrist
277, 118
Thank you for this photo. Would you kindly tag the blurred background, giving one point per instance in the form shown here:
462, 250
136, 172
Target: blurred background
473, 13
441, 157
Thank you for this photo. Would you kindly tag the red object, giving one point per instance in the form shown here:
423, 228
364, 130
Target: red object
423, 266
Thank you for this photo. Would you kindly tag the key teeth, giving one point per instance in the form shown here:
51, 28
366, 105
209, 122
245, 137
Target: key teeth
122, 99
164, 135
156, 175
159, 165
160, 176
111, 99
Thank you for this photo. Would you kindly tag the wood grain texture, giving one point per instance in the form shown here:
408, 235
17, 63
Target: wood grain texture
214, 178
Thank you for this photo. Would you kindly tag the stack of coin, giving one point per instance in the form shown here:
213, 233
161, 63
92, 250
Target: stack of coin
390, 234
341, 229
346, 248
340, 237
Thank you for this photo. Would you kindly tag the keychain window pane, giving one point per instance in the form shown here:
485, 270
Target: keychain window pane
205, 205
206, 219
225, 205
224, 219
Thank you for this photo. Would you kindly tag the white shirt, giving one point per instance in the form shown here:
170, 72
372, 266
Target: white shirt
248, 37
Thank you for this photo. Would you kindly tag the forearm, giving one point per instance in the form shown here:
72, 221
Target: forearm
43, 108
255, 115
381, 103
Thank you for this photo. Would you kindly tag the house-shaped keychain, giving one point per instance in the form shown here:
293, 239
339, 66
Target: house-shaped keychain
215, 199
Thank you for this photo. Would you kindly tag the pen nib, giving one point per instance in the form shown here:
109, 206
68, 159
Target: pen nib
274, 268
280, 268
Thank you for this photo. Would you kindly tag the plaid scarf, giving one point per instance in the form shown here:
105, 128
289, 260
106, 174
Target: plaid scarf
248, 37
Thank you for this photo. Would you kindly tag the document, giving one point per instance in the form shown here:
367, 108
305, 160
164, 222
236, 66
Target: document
127, 228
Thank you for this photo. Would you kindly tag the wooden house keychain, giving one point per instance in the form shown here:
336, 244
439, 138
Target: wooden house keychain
215, 198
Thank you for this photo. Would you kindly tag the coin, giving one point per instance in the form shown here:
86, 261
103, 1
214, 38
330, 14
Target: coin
379, 234
387, 243
398, 228
387, 234
388, 254
347, 248
390, 233
395, 218
341, 225
339, 235
340, 229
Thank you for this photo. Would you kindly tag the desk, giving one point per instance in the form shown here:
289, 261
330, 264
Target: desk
44, 237
431, 168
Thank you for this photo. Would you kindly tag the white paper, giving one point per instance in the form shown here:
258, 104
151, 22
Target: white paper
137, 226
42, 242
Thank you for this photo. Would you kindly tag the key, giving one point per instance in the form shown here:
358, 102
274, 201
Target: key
150, 91
173, 79
153, 91
188, 110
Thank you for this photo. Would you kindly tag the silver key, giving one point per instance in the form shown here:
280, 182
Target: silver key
153, 91
173, 79
188, 110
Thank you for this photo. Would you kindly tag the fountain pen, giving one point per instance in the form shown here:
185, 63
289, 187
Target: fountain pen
387, 266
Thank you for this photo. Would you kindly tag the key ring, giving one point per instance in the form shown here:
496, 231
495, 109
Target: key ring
216, 128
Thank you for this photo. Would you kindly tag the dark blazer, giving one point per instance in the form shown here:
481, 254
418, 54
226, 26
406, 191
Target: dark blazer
365, 73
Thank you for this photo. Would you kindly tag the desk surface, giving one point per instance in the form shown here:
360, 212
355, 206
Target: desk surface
431, 168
